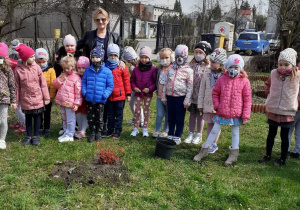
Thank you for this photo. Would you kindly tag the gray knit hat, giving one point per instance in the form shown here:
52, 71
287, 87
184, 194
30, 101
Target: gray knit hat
289, 55
41, 53
113, 49
15, 43
219, 55
182, 50
129, 53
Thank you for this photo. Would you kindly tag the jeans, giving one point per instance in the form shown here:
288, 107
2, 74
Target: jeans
297, 133
161, 112
176, 114
36, 124
115, 116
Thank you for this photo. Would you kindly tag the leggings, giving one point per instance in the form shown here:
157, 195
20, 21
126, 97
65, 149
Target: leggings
192, 122
137, 112
36, 124
82, 121
3, 121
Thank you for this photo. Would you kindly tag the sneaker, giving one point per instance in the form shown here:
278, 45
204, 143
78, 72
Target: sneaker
131, 122
116, 136
264, 159
170, 137
41, 132
79, 134
134, 132
197, 138
66, 139
279, 162
294, 155
76, 134
27, 141
61, 131
177, 140
145, 132
163, 134
107, 134
35, 141
189, 138
46, 133
2, 144
156, 134
21, 129
213, 148
62, 136
15, 126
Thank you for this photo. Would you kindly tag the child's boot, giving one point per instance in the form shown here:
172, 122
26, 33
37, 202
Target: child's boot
98, 136
35, 141
91, 138
2, 144
203, 153
27, 141
46, 133
233, 154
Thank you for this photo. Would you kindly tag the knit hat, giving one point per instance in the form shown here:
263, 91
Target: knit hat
25, 52
289, 55
219, 55
3, 49
41, 53
129, 53
99, 52
204, 46
234, 59
113, 49
83, 62
15, 43
146, 51
69, 40
182, 50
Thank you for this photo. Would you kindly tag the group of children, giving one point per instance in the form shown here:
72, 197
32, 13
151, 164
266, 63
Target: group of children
213, 88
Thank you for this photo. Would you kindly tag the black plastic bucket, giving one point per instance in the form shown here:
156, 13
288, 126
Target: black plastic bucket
164, 148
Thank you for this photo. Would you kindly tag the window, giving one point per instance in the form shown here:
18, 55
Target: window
248, 36
154, 17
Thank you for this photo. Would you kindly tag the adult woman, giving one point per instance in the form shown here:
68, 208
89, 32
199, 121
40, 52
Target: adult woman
101, 37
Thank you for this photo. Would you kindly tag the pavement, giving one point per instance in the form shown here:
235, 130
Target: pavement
152, 44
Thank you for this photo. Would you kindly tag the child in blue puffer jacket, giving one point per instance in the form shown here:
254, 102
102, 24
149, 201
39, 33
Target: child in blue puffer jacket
97, 85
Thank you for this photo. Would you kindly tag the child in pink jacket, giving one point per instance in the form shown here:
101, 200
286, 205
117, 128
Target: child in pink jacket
232, 103
68, 96
32, 92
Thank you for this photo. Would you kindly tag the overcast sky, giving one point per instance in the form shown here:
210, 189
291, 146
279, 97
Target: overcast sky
189, 6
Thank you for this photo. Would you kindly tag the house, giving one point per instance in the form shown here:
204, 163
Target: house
244, 19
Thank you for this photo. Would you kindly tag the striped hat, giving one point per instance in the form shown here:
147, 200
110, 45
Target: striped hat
219, 56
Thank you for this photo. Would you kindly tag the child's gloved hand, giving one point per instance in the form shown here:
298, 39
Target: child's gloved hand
47, 102
137, 90
244, 122
75, 108
146, 90
14, 106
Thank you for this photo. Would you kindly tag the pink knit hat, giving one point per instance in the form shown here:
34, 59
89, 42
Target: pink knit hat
25, 52
83, 62
146, 51
3, 49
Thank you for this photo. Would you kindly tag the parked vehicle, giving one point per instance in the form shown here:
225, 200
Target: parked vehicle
274, 41
249, 30
252, 42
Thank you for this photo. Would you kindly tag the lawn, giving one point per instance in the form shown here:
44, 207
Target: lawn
152, 183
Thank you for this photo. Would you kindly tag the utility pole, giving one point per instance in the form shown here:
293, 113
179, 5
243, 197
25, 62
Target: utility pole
203, 16
35, 28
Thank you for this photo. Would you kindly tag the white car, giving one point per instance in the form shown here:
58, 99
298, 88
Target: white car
274, 41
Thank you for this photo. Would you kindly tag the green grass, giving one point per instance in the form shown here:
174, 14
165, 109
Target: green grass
154, 183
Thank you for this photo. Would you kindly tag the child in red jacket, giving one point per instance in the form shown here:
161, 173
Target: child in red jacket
122, 90
232, 103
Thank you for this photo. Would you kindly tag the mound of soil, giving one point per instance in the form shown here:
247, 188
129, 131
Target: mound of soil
88, 173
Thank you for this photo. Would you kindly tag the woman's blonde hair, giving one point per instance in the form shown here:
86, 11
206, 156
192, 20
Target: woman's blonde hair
98, 11
5, 66
68, 60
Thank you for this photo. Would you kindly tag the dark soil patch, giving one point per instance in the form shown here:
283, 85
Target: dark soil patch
88, 173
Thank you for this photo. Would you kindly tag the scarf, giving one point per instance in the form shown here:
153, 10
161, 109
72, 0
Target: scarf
110, 65
284, 74
45, 68
214, 77
145, 67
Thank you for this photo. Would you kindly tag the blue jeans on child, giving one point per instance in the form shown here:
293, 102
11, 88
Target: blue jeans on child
115, 116
297, 133
176, 114
161, 112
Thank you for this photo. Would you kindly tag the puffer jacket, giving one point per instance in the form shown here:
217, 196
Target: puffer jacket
121, 85
7, 87
282, 95
69, 91
97, 85
179, 82
144, 79
31, 86
198, 69
205, 94
232, 97
50, 76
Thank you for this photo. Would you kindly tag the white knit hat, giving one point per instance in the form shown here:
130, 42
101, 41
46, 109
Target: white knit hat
289, 55
234, 59
182, 50
41, 53
69, 40
129, 53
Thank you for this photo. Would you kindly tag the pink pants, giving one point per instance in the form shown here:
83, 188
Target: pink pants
137, 112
